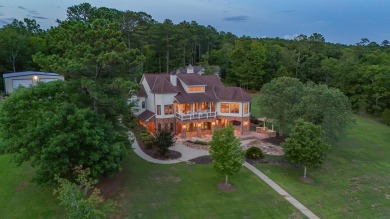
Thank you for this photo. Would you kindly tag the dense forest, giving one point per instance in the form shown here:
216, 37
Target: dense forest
135, 43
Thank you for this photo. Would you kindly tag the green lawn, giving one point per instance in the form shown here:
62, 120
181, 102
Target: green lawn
255, 110
354, 182
190, 191
20, 198
152, 191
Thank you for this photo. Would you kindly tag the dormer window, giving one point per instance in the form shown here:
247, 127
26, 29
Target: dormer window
196, 89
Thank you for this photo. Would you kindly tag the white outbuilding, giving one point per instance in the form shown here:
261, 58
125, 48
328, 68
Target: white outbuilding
27, 79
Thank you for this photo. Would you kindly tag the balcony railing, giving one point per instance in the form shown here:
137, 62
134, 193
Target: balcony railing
196, 115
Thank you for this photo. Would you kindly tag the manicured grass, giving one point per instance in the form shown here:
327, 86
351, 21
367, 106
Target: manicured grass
255, 110
152, 191
190, 191
21, 198
354, 182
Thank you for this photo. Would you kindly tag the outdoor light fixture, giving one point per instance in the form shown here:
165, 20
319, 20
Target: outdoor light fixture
213, 123
35, 78
184, 126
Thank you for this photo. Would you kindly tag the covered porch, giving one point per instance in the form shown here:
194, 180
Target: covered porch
195, 111
200, 128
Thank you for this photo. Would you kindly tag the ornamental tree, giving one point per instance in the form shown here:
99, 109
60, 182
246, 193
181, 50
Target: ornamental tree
305, 145
164, 140
226, 152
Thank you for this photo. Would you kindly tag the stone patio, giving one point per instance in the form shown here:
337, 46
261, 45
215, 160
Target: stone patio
247, 141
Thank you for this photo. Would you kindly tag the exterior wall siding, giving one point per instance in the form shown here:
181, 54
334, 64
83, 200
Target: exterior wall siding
139, 105
165, 99
150, 99
8, 81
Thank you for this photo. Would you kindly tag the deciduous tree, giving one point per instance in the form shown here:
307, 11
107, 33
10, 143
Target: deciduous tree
305, 145
82, 199
327, 107
279, 99
43, 124
226, 152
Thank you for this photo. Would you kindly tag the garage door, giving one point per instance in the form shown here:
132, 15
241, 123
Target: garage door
47, 79
19, 82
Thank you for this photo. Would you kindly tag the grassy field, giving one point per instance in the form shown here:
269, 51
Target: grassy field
20, 198
190, 191
146, 190
354, 182
255, 110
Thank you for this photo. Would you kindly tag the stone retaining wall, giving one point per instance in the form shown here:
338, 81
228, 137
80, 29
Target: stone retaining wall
196, 146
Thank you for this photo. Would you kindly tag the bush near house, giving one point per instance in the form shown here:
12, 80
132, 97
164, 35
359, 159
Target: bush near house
254, 153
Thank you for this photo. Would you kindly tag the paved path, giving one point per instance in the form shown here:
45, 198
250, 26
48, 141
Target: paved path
186, 152
190, 153
281, 191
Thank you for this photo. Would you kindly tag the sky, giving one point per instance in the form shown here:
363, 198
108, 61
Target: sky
339, 21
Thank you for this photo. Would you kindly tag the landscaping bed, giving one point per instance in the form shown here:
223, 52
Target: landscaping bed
153, 152
145, 141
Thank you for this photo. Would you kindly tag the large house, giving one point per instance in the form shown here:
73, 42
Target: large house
190, 103
27, 78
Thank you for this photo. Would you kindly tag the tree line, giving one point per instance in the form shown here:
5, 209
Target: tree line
360, 71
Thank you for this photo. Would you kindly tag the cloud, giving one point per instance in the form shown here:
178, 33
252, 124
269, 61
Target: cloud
40, 17
1, 6
290, 37
236, 18
33, 12
5, 21
286, 11
23, 8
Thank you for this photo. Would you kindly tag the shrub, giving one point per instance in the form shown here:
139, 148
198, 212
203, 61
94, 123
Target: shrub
201, 142
198, 142
149, 143
164, 139
254, 153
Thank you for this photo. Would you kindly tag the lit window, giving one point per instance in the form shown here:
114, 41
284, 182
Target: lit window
205, 106
246, 108
168, 109
158, 109
196, 89
224, 108
234, 108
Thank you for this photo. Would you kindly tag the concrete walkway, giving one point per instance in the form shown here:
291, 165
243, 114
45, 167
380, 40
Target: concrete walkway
281, 191
190, 153
186, 152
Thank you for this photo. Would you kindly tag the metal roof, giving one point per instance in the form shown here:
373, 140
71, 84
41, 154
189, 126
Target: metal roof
27, 73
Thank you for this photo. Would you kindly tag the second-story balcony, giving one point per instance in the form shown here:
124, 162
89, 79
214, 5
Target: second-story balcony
196, 115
